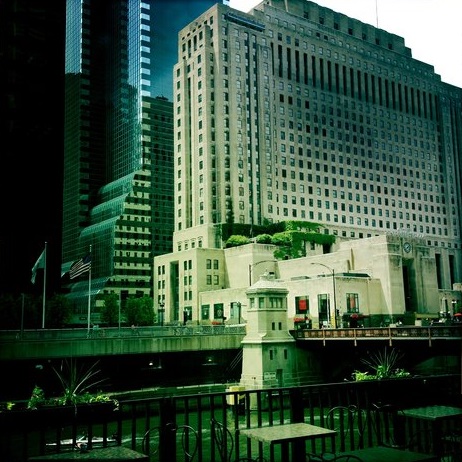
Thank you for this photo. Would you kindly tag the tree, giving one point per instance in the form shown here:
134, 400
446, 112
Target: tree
26, 308
292, 241
110, 309
10, 309
140, 311
58, 311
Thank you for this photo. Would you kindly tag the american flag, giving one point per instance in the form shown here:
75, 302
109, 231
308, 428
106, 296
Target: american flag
80, 266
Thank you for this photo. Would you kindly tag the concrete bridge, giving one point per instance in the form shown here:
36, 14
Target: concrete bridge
100, 342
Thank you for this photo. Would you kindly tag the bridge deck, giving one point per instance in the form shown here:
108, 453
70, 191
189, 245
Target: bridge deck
30, 344
430, 333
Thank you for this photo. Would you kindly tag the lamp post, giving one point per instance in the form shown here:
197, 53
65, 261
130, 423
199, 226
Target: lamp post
120, 310
332, 271
252, 265
161, 311
185, 316
22, 315
444, 308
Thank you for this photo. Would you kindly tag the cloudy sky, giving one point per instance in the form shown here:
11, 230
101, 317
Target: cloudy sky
431, 28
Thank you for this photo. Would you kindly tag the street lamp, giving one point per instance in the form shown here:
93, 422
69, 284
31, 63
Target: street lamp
252, 265
332, 271
239, 305
444, 308
185, 316
161, 311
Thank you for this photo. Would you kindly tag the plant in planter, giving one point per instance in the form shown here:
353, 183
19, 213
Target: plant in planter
384, 365
7, 406
76, 384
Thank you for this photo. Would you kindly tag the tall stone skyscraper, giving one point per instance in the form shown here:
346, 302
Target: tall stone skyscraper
295, 112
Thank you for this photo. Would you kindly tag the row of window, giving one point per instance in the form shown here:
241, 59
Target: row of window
302, 303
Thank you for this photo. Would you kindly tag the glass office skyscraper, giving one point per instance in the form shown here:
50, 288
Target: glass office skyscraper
118, 142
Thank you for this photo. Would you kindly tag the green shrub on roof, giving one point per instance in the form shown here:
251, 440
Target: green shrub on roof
236, 240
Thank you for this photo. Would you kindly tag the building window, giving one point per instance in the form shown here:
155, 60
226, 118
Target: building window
352, 303
218, 312
302, 305
324, 309
205, 312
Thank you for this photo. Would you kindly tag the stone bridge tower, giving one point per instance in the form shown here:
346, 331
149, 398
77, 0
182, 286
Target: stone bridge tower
270, 355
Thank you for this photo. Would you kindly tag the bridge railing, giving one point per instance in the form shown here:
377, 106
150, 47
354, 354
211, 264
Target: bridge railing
114, 332
411, 332
390, 333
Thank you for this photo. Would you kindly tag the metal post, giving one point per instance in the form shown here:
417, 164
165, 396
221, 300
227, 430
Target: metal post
334, 296
161, 311
120, 308
252, 265
22, 315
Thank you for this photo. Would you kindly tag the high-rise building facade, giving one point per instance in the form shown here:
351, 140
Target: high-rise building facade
295, 112
118, 165
31, 107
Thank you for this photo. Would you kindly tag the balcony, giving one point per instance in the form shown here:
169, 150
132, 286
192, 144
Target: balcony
31, 433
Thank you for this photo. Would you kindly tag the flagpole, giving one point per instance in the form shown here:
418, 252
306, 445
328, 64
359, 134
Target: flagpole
89, 296
44, 285
22, 315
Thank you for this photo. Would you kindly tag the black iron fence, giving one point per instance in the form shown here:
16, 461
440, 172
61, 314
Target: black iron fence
29, 433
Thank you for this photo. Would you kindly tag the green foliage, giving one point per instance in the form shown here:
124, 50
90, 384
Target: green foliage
290, 236
76, 381
263, 239
236, 240
306, 226
292, 242
110, 309
7, 406
58, 312
383, 365
358, 376
228, 229
76, 384
37, 398
30, 308
282, 239
13, 307
140, 311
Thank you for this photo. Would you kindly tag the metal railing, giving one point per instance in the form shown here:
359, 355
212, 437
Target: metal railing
115, 332
387, 333
29, 433
411, 332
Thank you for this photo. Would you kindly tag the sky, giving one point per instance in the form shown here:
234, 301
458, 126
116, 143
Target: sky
431, 28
